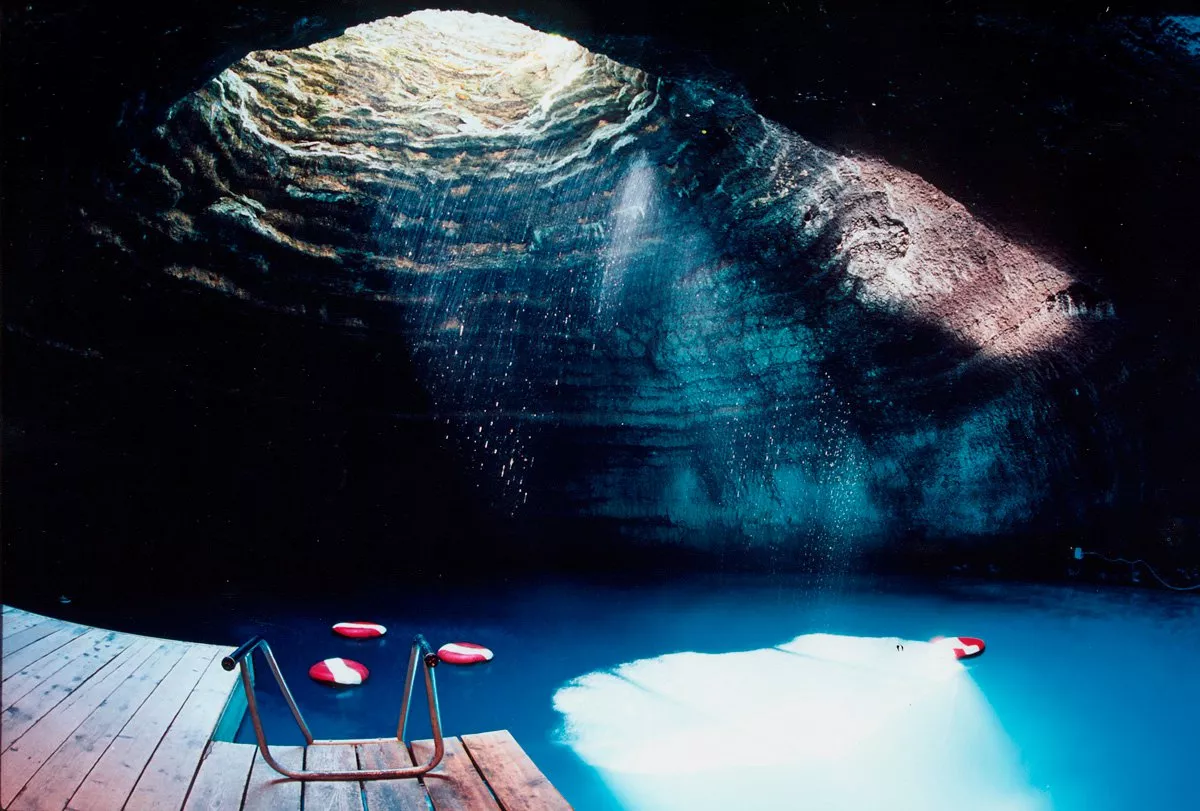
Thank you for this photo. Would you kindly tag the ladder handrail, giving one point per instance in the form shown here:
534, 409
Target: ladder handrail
420, 652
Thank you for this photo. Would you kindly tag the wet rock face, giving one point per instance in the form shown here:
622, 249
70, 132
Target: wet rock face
630, 300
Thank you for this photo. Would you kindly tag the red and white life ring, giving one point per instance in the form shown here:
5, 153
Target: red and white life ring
464, 653
964, 647
359, 630
342, 672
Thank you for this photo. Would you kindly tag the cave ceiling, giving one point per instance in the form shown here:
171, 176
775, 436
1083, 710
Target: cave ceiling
769, 273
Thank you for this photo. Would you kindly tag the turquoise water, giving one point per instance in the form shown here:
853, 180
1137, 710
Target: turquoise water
1096, 690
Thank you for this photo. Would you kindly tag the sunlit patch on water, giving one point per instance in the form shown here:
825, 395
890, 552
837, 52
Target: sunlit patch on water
823, 722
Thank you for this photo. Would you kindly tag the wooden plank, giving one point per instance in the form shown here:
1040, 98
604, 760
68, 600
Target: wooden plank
18, 621
30, 635
19, 684
53, 784
167, 777
221, 782
110, 782
269, 790
390, 795
26, 753
36, 702
514, 779
169, 774
18, 660
454, 785
342, 795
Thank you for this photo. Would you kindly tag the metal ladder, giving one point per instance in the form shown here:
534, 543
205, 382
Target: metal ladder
421, 652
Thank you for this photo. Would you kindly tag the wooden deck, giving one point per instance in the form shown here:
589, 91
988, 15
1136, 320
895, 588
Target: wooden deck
96, 720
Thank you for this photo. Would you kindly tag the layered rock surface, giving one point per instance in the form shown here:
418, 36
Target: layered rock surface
630, 299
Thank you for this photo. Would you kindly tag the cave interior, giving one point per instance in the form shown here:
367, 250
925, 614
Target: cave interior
608, 288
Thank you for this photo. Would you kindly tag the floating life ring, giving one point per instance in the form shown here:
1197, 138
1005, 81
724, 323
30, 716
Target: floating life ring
343, 672
964, 647
359, 630
464, 653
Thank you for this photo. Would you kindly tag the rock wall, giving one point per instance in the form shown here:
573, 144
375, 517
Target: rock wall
629, 299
